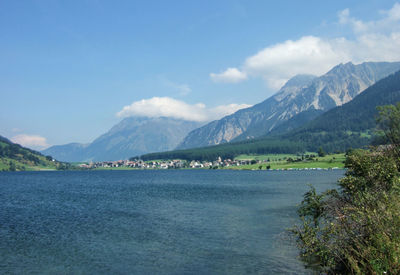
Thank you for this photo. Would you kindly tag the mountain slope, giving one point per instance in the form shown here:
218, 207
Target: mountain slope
351, 124
230, 127
14, 157
132, 136
340, 128
302, 93
67, 152
295, 122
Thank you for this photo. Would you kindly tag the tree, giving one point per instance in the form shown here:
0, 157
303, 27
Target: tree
389, 122
12, 166
389, 125
356, 230
321, 152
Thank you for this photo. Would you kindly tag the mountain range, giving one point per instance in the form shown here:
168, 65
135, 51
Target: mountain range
132, 136
302, 99
350, 125
300, 94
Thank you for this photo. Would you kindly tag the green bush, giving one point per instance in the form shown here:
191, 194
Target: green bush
356, 229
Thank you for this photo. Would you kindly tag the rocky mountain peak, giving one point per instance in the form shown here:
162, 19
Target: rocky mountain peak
301, 93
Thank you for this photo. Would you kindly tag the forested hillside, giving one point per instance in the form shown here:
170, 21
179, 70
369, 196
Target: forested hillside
14, 157
229, 150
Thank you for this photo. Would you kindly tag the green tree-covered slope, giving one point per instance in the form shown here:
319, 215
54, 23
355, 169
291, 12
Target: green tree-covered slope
229, 150
14, 157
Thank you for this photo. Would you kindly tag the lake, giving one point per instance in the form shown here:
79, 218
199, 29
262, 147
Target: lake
152, 222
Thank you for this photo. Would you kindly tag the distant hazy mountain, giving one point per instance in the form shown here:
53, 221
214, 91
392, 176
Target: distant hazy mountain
132, 136
300, 94
66, 152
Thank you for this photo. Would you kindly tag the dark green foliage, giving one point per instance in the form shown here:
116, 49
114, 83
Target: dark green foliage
356, 230
230, 150
332, 140
65, 166
389, 123
12, 166
321, 152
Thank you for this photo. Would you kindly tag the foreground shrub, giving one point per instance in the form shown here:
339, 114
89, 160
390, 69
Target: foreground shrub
356, 229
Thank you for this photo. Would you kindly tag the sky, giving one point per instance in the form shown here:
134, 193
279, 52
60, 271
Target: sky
70, 70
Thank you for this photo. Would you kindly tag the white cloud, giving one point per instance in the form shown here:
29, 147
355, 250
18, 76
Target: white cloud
169, 107
31, 141
377, 40
310, 54
230, 75
394, 13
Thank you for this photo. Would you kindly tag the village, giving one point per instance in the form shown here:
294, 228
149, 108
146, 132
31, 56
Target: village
168, 164
262, 162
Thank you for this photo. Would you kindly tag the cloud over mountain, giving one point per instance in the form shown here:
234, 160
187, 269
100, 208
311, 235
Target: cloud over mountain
170, 107
310, 54
377, 40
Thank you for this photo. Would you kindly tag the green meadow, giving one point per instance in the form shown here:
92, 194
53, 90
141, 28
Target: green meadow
291, 161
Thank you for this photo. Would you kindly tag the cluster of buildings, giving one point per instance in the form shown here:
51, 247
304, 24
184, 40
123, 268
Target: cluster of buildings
220, 163
170, 164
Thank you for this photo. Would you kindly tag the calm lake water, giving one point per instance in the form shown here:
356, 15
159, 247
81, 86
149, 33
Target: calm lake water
152, 222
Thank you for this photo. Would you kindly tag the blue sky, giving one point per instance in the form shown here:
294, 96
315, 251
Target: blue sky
70, 70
